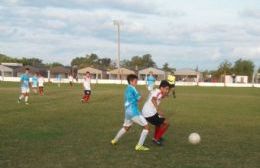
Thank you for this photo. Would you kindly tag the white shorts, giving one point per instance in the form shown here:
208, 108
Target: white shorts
140, 120
25, 90
150, 87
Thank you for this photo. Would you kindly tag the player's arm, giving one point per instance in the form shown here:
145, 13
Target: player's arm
154, 101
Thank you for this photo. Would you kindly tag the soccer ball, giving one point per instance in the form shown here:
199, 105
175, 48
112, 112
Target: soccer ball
194, 138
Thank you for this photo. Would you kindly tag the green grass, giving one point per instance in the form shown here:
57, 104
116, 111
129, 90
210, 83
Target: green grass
57, 131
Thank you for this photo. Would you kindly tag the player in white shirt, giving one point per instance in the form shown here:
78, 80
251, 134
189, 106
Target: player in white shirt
153, 114
70, 77
87, 87
41, 84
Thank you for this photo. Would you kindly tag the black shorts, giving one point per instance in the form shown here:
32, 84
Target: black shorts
155, 120
87, 92
172, 85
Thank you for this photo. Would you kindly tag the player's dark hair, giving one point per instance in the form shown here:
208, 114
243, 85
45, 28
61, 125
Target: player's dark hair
131, 77
87, 72
164, 83
27, 69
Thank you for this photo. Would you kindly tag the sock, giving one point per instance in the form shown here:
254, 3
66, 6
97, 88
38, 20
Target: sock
86, 98
21, 97
120, 133
26, 99
143, 137
162, 130
157, 128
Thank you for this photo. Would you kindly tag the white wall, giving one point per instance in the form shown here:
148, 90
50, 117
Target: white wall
107, 81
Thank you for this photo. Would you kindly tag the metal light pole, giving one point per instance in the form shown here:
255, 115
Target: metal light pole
117, 23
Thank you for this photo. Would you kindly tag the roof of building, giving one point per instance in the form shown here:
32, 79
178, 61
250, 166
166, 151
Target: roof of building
151, 69
122, 71
60, 69
89, 69
5, 68
185, 72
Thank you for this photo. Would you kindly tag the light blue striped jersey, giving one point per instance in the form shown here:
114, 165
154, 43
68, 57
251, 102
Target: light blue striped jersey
25, 79
34, 81
132, 97
150, 80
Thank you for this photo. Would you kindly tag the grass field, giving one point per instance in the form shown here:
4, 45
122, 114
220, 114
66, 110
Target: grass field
57, 131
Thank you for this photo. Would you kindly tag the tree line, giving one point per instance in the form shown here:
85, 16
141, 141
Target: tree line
239, 67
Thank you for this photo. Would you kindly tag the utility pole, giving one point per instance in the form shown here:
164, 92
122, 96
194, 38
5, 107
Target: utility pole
117, 23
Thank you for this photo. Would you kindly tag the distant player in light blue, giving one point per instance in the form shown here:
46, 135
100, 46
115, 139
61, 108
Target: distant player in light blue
132, 114
25, 86
150, 81
34, 81
59, 79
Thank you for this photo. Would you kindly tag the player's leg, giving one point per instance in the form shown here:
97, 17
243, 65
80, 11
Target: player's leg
173, 91
23, 91
26, 97
88, 93
162, 129
126, 126
140, 120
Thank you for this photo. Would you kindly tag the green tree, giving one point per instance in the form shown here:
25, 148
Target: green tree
139, 62
258, 70
244, 67
225, 68
167, 68
91, 60
54, 64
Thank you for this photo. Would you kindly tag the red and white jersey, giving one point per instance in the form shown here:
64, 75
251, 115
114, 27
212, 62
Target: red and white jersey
149, 109
86, 83
40, 81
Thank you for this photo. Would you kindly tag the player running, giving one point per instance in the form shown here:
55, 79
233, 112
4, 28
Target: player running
41, 84
153, 114
25, 86
87, 87
150, 81
132, 114
171, 80
34, 81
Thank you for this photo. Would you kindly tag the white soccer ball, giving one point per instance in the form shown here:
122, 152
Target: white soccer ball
194, 138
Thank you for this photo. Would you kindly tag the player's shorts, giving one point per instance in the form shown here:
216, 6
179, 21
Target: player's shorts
140, 120
150, 87
34, 86
155, 119
87, 92
172, 85
25, 90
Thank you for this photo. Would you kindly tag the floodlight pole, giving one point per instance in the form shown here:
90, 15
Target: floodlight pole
117, 23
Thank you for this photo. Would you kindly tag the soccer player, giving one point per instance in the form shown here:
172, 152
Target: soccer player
150, 81
153, 114
25, 86
41, 84
171, 80
87, 87
34, 81
70, 77
132, 114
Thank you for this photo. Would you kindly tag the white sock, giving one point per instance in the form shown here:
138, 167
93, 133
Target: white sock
21, 97
143, 137
26, 99
120, 133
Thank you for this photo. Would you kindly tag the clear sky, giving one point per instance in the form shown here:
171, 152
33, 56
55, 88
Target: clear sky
184, 33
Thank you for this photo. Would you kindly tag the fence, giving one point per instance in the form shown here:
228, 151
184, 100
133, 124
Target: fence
141, 82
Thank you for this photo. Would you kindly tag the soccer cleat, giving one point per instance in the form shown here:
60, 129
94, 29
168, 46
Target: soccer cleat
157, 142
141, 148
113, 142
26, 103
